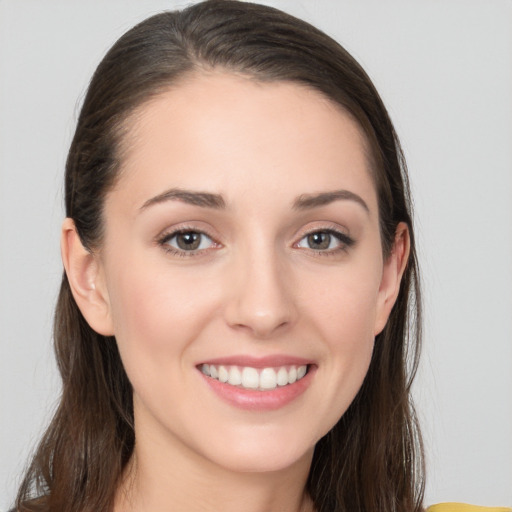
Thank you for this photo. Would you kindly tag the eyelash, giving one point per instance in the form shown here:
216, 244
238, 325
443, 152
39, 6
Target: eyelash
345, 241
164, 240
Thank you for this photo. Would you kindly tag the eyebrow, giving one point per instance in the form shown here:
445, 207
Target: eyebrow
216, 201
307, 201
203, 199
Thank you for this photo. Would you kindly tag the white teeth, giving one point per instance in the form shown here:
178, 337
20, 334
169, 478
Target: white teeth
223, 374
282, 377
268, 378
235, 376
252, 378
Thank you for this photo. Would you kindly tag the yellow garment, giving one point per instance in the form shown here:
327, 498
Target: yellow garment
462, 507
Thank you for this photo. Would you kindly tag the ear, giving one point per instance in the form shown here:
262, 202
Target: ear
392, 274
86, 280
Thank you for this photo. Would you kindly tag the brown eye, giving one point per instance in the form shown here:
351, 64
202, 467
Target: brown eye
319, 240
327, 241
187, 241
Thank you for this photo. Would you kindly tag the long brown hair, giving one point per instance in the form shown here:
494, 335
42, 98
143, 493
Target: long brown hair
372, 459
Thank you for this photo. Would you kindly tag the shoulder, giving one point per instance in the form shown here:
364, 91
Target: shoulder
463, 507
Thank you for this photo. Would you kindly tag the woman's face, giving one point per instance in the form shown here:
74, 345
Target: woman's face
242, 243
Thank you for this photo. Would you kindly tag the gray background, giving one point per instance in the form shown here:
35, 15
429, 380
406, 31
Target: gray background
444, 69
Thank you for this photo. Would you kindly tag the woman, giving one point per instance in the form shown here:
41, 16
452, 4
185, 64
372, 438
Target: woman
233, 325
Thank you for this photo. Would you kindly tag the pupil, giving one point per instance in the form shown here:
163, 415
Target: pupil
319, 240
189, 241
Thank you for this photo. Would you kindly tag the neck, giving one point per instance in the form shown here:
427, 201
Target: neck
172, 477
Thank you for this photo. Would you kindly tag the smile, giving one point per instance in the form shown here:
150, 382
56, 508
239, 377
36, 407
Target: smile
262, 379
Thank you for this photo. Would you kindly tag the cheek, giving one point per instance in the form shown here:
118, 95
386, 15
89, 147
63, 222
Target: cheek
156, 312
346, 304
343, 312
158, 316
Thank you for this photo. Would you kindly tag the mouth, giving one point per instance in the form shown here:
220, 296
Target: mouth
257, 379
258, 384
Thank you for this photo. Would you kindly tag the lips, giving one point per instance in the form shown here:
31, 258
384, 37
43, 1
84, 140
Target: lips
258, 383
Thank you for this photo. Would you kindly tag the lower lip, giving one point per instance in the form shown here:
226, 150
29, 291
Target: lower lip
255, 400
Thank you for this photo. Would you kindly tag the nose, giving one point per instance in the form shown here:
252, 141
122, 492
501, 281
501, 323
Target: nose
261, 299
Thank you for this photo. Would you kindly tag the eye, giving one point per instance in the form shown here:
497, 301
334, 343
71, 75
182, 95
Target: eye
326, 240
187, 241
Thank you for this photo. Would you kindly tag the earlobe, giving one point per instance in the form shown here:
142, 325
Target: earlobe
86, 280
393, 271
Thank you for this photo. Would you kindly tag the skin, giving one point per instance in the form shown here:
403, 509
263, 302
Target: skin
255, 287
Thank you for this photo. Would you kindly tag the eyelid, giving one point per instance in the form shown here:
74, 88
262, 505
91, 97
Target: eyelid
164, 236
345, 239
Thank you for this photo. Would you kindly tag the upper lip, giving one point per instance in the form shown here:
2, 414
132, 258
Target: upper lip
258, 362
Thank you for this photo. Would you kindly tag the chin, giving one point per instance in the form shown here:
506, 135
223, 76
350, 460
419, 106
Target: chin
261, 452
265, 462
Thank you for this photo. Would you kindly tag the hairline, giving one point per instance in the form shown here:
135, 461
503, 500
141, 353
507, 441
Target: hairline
125, 132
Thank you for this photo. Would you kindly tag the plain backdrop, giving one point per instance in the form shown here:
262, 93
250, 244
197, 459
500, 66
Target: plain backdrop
444, 69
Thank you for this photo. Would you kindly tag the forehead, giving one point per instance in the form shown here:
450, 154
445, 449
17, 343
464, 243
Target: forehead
216, 130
